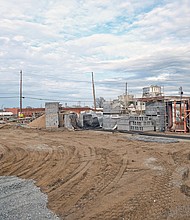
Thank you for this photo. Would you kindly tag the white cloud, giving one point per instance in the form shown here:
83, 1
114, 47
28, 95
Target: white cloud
59, 43
162, 77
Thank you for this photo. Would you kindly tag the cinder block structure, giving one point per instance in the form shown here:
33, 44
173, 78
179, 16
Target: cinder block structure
157, 111
141, 123
123, 123
52, 114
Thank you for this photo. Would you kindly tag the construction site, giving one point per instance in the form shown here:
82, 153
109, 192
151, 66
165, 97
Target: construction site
127, 160
153, 112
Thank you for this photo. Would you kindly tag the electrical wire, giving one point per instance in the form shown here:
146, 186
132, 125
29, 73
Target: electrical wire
9, 97
56, 100
45, 99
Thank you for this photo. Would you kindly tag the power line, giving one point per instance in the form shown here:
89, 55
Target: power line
21, 91
9, 97
45, 99
56, 100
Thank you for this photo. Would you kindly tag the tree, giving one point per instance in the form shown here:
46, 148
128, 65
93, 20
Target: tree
99, 102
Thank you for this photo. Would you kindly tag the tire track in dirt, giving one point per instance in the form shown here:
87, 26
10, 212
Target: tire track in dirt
57, 155
35, 159
75, 195
58, 168
43, 168
180, 208
108, 171
20, 165
8, 160
77, 182
119, 175
77, 173
152, 203
99, 187
66, 172
87, 175
96, 183
2, 153
34, 168
22, 158
63, 164
30, 164
181, 156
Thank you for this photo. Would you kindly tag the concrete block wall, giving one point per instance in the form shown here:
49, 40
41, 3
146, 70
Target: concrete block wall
157, 111
155, 108
123, 123
112, 108
52, 114
141, 123
128, 123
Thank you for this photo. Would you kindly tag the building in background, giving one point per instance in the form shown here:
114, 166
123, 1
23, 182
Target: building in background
152, 91
152, 112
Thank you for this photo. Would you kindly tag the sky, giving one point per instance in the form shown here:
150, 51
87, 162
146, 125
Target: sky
58, 44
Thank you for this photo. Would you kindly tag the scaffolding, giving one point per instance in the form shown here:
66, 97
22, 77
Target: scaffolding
178, 115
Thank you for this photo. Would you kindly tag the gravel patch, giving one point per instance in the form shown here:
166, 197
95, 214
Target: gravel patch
153, 139
21, 199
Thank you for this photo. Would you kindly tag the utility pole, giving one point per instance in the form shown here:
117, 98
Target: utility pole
93, 91
20, 91
126, 89
126, 97
181, 93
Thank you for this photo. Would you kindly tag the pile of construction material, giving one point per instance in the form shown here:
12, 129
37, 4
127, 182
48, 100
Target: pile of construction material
153, 139
21, 199
128, 123
83, 121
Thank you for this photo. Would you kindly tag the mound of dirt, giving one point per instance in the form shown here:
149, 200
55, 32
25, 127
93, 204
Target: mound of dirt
38, 123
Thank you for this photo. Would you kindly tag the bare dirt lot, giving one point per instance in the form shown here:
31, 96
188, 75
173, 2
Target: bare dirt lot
99, 175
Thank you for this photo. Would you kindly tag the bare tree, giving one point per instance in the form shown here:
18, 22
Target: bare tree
99, 102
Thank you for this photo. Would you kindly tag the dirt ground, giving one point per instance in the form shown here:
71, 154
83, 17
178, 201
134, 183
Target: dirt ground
100, 175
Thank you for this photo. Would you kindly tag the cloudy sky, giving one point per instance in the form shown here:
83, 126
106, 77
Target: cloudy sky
58, 43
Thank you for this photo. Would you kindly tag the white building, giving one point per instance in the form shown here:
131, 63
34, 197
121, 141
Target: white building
152, 91
6, 113
140, 106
